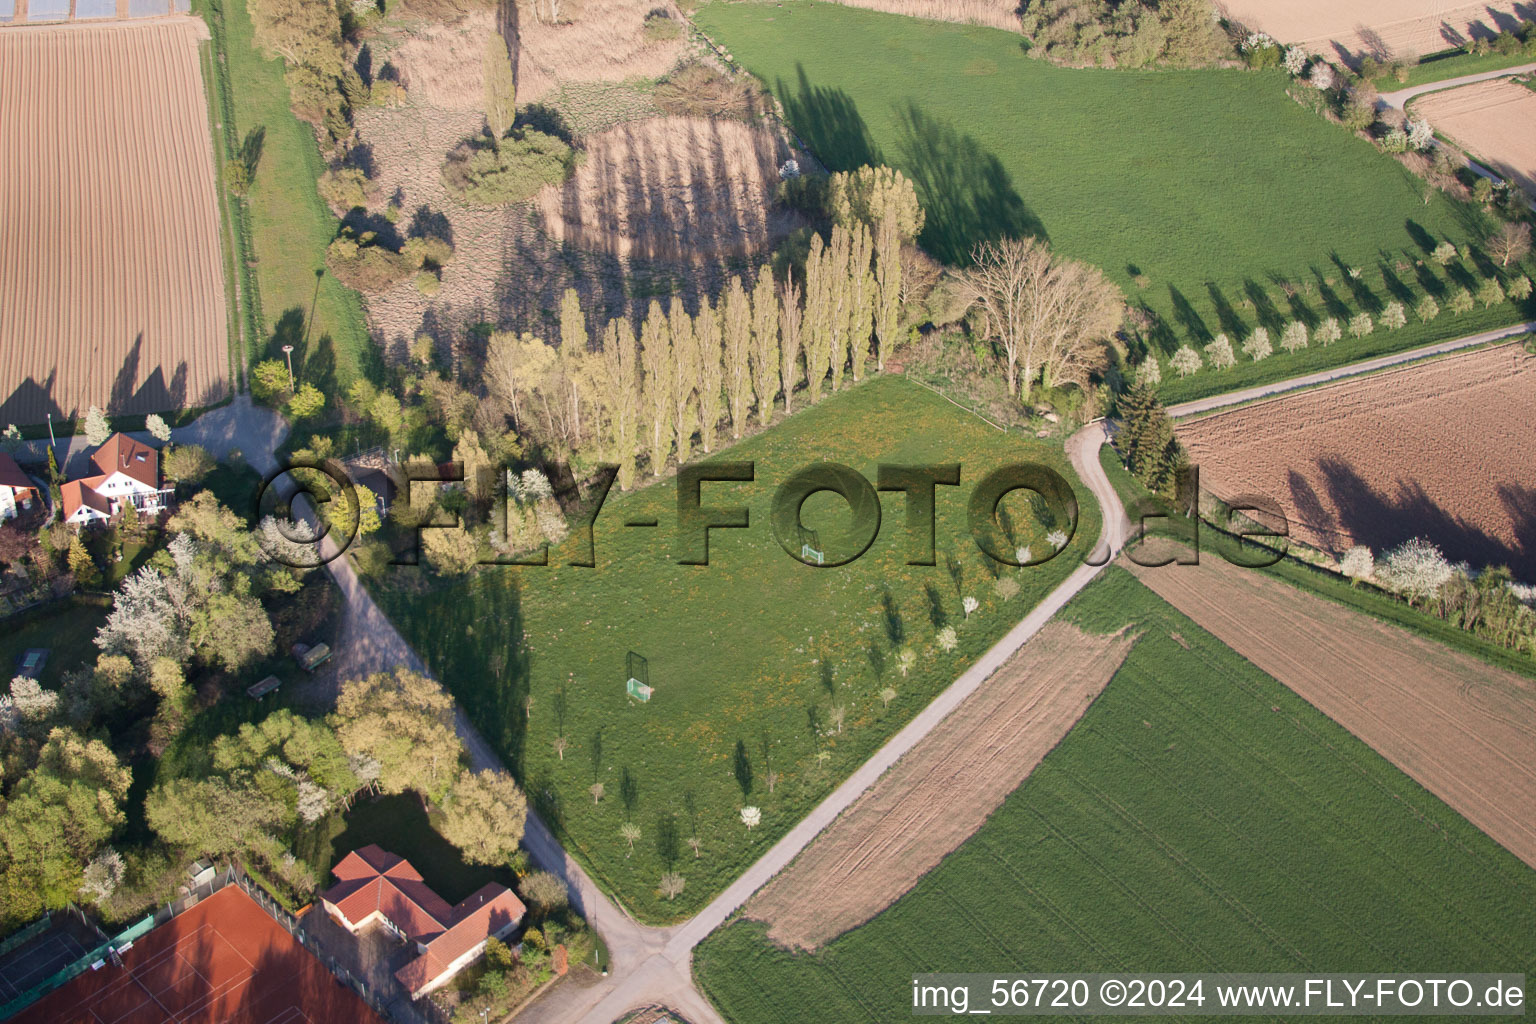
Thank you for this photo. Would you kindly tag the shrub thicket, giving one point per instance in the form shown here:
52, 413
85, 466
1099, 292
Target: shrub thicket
362, 262
511, 171
1133, 33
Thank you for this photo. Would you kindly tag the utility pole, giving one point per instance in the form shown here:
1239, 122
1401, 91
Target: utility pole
288, 353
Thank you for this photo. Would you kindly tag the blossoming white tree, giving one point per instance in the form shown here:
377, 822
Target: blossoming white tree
1219, 352
1358, 563
751, 817
1415, 569
947, 638
1328, 332
1420, 135
1258, 347
1394, 316
970, 604
1185, 361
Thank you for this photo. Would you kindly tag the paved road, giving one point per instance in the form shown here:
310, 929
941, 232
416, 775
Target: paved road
239, 425
1398, 99
1203, 405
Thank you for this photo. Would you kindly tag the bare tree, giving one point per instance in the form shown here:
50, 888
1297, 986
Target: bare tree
1045, 311
1510, 244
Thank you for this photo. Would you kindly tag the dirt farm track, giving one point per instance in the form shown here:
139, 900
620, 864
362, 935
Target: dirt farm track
111, 283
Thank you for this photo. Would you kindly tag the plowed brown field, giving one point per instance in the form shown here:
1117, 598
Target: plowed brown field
1464, 730
1438, 449
942, 790
1354, 28
111, 276
1494, 121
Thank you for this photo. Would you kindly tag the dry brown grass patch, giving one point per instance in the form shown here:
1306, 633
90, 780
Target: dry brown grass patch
677, 188
991, 13
699, 90
597, 41
443, 65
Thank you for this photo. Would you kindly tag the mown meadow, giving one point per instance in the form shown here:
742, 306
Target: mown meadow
750, 657
1200, 817
289, 224
1215, 201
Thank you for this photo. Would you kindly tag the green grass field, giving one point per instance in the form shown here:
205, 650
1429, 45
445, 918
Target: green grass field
1200, 817
290, 226
740, 650
1216, 202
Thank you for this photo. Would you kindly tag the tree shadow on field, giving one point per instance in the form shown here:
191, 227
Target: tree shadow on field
1191, 321
1394, 284
1334, 305
966, 194
480, 650
1263, 306
1421, 236
1231, 323
1381, 520
1295, 300
1365, 298
829, 122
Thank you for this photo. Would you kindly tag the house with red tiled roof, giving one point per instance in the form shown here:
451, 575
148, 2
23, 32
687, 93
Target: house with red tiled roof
376, 886
18, 493
127, 472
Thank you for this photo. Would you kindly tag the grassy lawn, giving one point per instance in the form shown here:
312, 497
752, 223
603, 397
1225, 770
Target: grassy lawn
745, 649
1216, 202
237, 488
1200, 817
290, 226
1438, 67
67, 627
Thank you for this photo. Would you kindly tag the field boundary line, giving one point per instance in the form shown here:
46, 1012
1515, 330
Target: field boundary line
951, 401
1202, 407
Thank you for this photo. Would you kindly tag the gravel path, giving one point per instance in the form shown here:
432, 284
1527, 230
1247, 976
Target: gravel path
1398, 99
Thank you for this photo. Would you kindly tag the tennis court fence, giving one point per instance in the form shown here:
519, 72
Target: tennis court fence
424, 1012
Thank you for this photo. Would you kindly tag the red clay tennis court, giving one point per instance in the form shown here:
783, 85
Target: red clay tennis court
223, 960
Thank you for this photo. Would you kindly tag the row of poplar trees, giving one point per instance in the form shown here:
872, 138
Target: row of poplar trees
688, 374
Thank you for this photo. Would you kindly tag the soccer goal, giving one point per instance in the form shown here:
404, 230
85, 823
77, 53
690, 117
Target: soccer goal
810, 546
638, 683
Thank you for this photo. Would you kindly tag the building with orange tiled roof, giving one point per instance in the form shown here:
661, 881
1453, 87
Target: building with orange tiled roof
376, 886
18, 491
127, 472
